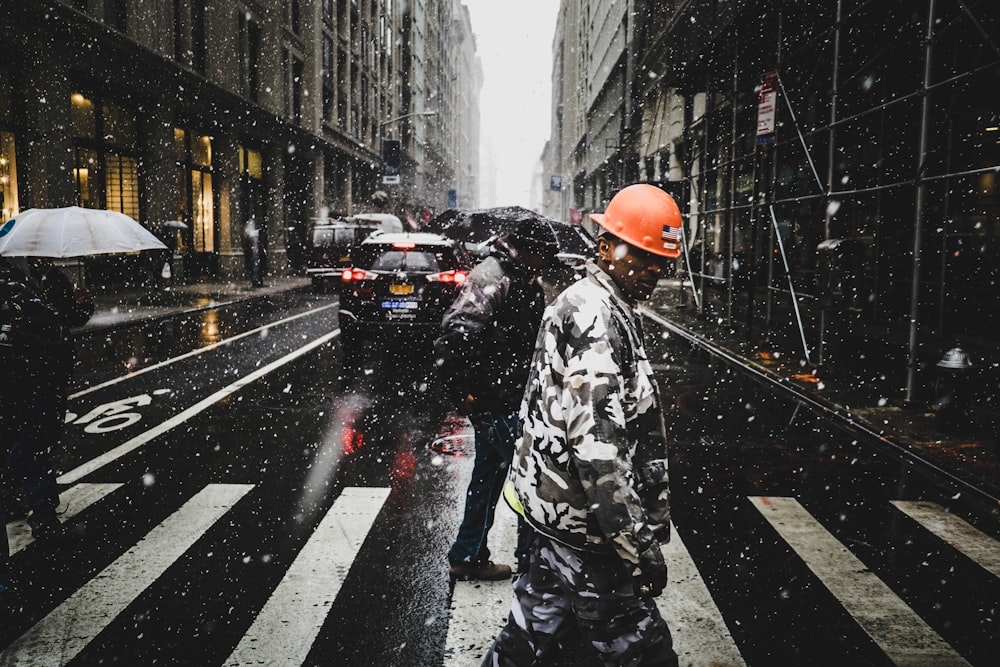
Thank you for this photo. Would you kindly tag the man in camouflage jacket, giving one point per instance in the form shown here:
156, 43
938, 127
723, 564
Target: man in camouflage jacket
590, 473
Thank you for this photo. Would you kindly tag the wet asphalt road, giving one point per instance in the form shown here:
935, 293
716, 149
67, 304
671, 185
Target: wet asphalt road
261, 411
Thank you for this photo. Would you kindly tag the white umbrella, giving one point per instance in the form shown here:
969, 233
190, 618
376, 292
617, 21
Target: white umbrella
73, 232
175, 224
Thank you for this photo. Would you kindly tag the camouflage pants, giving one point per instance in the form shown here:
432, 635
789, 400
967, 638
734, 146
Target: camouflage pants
594, 592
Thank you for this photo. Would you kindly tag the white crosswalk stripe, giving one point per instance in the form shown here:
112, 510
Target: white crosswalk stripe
76, 499
905, 638
981, 548
61, 635
289, 623
286, 627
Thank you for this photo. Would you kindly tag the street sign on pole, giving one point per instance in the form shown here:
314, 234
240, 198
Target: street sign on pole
390, 161
767, 104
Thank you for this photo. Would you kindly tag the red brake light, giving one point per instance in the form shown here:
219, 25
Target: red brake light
456, 277
404, 245
349, 274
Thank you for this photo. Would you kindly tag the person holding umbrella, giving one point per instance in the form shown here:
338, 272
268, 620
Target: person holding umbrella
482, 354
30, 462
29, 335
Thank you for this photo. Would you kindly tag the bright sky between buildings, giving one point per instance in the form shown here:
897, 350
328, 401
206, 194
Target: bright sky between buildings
514, 42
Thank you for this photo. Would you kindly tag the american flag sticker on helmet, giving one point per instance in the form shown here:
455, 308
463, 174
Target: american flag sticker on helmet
670, 237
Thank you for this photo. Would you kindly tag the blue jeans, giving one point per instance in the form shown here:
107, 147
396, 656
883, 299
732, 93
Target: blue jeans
495, 436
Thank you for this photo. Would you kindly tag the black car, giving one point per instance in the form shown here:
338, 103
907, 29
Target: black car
394, 295
330, 247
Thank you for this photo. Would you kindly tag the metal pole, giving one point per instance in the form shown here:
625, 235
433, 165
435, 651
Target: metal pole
918, 219
791, 285
830, 165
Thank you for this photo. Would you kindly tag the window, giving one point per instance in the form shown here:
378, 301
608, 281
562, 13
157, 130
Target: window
298, 70
328, 81
249, 56
195, 196
106, 158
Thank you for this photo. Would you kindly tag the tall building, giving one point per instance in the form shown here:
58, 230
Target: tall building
836, 160
215, 114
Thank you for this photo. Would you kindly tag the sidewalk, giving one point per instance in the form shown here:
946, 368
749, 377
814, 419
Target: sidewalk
132, 304
864, 390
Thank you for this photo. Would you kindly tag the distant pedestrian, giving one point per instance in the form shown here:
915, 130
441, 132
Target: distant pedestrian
254, 253
483, 351
590, 470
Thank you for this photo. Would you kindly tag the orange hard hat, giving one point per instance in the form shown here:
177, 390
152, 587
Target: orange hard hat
646, 217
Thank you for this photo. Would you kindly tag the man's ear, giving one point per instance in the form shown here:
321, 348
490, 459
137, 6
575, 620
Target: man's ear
605, 249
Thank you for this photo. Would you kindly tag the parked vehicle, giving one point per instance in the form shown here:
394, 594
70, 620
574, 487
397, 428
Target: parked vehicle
331, 245
394, 294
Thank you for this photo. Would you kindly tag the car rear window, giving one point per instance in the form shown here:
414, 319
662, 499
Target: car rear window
330, 237
418, 260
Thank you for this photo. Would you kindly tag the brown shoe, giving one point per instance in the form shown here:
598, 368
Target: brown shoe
488, 571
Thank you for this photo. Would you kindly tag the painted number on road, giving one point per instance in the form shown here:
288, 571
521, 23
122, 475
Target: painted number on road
114, 415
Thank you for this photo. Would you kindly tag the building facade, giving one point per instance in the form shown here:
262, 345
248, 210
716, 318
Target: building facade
836, 161
196, 118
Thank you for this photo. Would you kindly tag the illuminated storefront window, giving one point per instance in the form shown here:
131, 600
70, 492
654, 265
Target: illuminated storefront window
196, 198
106, 157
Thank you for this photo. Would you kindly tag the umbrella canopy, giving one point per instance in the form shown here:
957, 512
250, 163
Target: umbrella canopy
482, 225
175, 224
73, 232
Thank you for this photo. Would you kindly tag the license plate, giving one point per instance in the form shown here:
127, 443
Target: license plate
400, 305
396, 288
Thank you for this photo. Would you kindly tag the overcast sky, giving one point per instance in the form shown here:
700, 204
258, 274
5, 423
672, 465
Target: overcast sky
514, 41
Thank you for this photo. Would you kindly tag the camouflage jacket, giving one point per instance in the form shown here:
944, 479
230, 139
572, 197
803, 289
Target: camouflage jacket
590, 468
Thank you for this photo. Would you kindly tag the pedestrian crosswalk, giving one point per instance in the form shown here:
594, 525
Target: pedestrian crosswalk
288, 623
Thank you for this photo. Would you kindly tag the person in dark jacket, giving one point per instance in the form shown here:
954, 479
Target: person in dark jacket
483, 354
29, 462
29, 344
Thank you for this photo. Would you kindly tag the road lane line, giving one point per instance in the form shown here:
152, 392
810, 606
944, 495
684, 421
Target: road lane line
978, 546
479, 608
287, 626
192, 353
892, 625
60, 636
138, 441
696, 624
76, 499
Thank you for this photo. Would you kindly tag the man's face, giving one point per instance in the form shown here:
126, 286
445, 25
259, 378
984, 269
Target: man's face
634, 270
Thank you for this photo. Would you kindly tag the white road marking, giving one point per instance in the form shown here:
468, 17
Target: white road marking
897, 629
98, 462
479, 608
287, 626
76, 499
978, 546
192, 353
60, 636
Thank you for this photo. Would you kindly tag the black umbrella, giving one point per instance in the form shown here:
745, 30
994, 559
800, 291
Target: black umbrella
481, 226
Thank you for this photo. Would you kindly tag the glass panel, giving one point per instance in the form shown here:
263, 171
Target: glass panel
254, 166
81, 116
8, 177
122, 185
204, 212
180, 148
83, 172
201, 150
